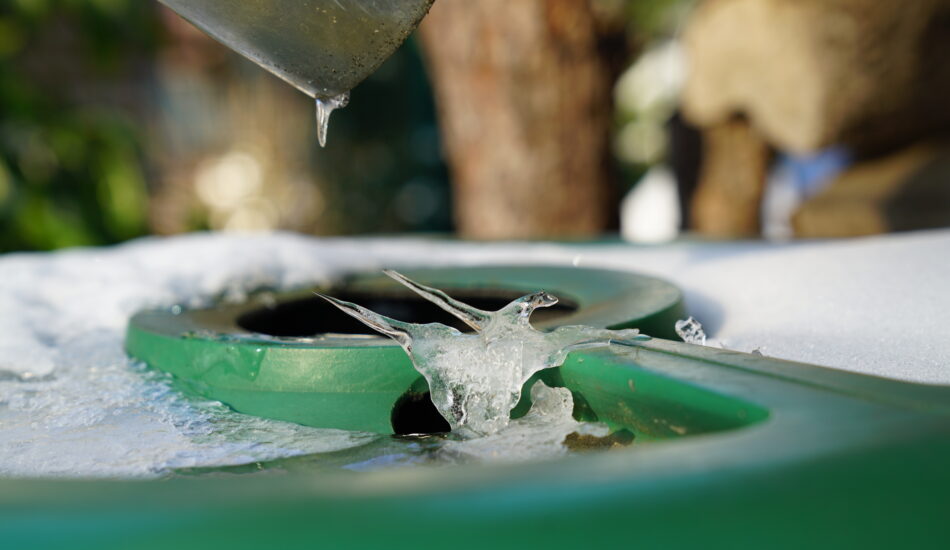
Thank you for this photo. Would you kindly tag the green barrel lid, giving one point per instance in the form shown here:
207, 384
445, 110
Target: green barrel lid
265, 356
731, 450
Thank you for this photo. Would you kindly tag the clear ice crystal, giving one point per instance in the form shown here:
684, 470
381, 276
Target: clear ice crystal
476, 379
691, 331
540, 433
325, 108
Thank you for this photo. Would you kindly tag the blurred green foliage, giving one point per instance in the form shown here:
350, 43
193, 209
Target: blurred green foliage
648, 23
70, 169
653, 19
76, 88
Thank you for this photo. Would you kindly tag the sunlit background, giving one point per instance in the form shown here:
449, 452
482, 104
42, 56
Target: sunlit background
118, 120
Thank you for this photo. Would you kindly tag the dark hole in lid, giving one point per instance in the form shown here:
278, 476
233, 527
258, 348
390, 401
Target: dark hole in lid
415, 413
314, 315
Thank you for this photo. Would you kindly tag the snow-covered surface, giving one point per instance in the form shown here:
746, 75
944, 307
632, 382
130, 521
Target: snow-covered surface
72, 404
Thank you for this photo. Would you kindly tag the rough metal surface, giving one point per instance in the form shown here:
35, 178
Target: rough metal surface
322, 47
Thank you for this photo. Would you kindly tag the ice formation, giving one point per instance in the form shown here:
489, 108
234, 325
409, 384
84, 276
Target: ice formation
325, 108
72, 404
71, 401
691, 331
540, 433
476, 379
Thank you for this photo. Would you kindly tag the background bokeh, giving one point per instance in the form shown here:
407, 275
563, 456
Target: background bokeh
118, 119
545, 119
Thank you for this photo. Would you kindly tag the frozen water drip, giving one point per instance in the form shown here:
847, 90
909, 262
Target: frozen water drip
476, 379
325, 108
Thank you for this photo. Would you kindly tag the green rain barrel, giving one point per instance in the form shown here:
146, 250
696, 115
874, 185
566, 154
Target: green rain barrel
731, 450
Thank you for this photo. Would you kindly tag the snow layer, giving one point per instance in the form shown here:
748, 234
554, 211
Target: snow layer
72, 404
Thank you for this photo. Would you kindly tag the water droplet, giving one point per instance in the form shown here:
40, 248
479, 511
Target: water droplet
325, 107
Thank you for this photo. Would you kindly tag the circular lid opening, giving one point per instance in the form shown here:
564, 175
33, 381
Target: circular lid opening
314, 315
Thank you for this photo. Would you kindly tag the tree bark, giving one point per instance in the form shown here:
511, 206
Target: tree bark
524, 99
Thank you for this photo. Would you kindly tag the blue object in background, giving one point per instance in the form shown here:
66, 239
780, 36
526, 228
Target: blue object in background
810, 173
795, 178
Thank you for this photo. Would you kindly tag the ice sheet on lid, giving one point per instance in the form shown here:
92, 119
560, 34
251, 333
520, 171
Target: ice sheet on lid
72, 403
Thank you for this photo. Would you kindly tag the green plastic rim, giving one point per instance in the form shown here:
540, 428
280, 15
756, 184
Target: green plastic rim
766, 454
355, 382
756, 453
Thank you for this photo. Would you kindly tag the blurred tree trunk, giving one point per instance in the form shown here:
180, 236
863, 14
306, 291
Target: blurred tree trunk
524, 97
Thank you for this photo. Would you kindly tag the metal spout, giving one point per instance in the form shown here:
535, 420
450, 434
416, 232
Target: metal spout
322, 47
